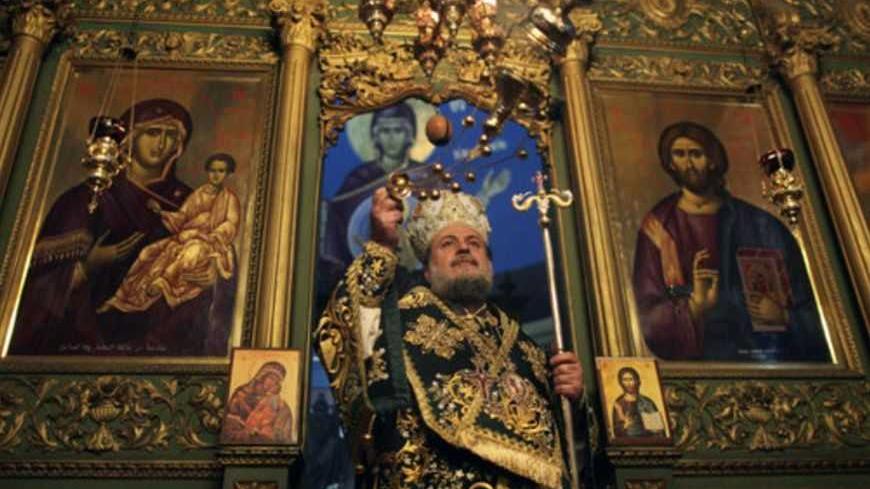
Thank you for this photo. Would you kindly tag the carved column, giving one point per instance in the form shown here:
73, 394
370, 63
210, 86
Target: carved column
794, 51
33, 28
609, 313
298, 23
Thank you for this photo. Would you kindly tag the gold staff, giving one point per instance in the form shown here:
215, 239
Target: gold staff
561, 198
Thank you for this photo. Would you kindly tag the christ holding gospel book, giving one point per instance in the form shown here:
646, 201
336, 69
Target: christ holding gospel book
716, 278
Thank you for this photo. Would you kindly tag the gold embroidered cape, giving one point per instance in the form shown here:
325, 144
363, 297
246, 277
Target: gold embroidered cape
478, 386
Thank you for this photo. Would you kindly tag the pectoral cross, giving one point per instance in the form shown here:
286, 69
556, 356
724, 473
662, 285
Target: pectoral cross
542, 199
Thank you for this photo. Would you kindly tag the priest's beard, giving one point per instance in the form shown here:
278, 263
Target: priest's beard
469, 290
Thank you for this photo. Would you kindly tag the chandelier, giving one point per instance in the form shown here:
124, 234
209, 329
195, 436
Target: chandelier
546, 23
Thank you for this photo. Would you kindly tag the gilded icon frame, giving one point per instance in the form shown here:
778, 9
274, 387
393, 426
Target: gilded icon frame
850, 87
713, 82
291, 360
609, 370
251, 59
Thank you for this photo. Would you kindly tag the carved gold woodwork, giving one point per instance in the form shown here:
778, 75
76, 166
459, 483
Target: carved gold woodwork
853, 82
856, 15
173, 45
205, 417
114, 413
765, 416
34, 24
670, 14
262, 455
849, 20
13, 411
109, 413
791, 45
255, 485
359, 76
37, 21
645, 484
299, 23
706, 23
794, 47
675, 71
112, 469
767, 466
211, 11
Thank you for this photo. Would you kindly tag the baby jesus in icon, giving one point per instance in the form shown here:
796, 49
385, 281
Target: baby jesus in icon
179, 267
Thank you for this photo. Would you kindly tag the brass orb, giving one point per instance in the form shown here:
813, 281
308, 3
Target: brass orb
522, 153
455, 187
468, 121
483, 139
470, 177
437, 167
399, 185
422, 195
439, 130
435, 194
447, 177
486, 150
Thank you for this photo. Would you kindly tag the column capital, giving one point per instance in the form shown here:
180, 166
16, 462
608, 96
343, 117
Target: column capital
41, 20
298, 22
587, 25
792, 46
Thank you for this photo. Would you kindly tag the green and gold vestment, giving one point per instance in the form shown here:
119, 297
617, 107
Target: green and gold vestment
433, 399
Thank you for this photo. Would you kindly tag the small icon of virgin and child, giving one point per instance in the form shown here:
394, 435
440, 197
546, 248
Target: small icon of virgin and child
257, 411
153, 270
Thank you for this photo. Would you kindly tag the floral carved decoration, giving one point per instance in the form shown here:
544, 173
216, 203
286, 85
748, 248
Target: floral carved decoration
234, 11
12, 414
645, 484
359, 75
110, 413
78, 415
675, 71
850, 81
187, 46
710, 23
848, 20
764, 416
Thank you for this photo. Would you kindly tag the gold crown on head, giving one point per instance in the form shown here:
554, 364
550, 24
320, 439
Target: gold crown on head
431, 216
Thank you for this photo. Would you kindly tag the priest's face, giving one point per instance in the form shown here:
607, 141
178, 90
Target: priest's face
692, 167
459, 268
155, 143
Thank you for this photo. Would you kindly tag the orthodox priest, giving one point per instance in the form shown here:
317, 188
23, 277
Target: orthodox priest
438, 387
